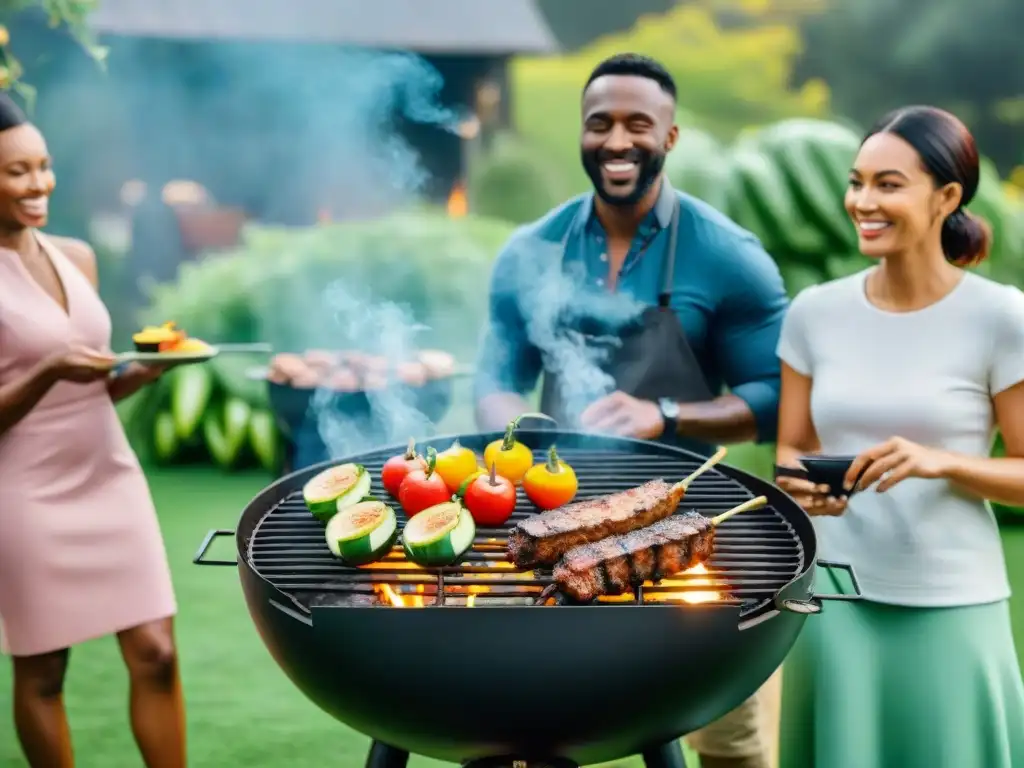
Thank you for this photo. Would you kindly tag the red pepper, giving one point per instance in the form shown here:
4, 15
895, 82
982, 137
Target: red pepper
490, 499
397, 467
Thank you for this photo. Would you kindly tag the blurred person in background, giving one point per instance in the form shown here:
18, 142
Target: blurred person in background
81, 555
713, 302
911, 366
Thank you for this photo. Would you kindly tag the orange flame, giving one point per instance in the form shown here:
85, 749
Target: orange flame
693, 598
458, 203
415, 596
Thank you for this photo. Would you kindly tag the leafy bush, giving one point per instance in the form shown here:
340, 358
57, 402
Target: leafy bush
510, 182
274, 286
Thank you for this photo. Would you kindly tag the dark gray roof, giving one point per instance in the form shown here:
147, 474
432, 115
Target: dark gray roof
428, 26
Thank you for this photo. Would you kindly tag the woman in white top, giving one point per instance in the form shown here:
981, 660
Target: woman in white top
911, 366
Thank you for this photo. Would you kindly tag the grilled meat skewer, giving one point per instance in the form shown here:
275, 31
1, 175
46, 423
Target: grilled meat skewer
542, 539
619, 564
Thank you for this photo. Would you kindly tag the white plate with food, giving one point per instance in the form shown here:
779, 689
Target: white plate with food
167, 344
178, 357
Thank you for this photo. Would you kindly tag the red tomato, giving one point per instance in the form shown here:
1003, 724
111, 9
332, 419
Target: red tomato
397, 467
423, 488
490, 499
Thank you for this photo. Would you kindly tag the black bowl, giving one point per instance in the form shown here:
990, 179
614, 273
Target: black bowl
822, 470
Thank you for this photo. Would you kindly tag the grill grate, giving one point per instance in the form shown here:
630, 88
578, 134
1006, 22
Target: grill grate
755, 555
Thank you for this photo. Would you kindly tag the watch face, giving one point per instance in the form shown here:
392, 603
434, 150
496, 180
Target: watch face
669, 408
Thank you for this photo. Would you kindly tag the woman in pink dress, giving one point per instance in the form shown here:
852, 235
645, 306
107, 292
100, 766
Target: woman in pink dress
81, 555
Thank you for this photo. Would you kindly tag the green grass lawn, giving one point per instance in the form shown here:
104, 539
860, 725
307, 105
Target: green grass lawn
242, 710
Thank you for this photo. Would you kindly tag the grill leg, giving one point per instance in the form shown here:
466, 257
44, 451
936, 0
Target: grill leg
383, 756
666, 756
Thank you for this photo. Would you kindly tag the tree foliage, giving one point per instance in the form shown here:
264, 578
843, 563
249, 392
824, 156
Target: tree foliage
730, 76
878, 54
70, 14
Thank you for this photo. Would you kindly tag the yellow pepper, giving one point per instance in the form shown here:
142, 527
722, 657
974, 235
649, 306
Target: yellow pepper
455, 464
551, 484
508, 456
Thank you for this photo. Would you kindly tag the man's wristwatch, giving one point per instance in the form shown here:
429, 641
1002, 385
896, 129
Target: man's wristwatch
669, 414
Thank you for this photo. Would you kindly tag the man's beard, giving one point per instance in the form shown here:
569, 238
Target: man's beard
648, 163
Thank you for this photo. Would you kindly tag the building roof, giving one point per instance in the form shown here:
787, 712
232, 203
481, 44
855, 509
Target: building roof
427, 26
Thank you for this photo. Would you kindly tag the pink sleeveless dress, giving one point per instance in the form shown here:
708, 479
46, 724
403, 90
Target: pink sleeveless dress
81, 555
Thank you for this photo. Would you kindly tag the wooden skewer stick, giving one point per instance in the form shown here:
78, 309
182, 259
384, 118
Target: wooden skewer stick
746, 506
684, 484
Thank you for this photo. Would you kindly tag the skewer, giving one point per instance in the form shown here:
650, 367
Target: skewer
684, 484
746, 506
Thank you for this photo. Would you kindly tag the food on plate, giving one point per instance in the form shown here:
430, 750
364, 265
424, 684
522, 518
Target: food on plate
619, 564
355, 371
334, 489
157, 338
375, 381
189, 346
490, 499
439, 535
544, 538
423, 488
342, 380
168, 338
438, 364
551, 484
362, 533
397, 467
411, 374
510, 458
455, 464
322, 359
465, 483
286, 367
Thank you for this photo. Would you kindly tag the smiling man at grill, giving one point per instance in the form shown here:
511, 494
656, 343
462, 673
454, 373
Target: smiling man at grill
639, 305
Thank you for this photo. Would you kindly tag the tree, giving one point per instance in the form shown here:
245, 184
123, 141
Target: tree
880, 54
729, 78
71, 14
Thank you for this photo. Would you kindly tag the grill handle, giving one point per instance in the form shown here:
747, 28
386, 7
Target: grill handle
813, 603
200, 557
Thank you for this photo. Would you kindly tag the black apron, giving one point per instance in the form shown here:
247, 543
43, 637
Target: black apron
649, 359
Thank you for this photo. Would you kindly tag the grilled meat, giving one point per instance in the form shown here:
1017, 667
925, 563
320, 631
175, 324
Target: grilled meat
619, 564
542, 539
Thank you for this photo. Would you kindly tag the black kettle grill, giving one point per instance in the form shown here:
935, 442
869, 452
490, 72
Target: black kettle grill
495, 671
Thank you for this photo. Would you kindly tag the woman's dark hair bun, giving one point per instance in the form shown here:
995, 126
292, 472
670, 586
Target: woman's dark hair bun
966, 239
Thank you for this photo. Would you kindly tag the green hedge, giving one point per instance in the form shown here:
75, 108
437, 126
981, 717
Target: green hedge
274, 286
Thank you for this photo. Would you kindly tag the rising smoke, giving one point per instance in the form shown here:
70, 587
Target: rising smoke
248, 125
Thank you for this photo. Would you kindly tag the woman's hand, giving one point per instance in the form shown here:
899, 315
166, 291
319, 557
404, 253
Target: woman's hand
134, 377
81, 365
813, 498
894, 461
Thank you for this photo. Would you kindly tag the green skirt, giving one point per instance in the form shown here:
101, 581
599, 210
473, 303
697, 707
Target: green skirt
879, 686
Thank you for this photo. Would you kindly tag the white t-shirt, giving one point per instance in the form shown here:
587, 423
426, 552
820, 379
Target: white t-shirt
927, 376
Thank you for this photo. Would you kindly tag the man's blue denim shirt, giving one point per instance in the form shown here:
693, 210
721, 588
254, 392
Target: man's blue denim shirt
728, 295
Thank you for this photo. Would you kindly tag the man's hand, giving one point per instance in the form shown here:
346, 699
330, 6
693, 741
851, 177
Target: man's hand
624, 415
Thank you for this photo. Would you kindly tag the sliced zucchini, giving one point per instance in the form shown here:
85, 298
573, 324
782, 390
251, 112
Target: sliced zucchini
440, 535
362, 533
334, 489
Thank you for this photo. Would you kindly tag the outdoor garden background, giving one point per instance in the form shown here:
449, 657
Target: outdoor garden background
773, 97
